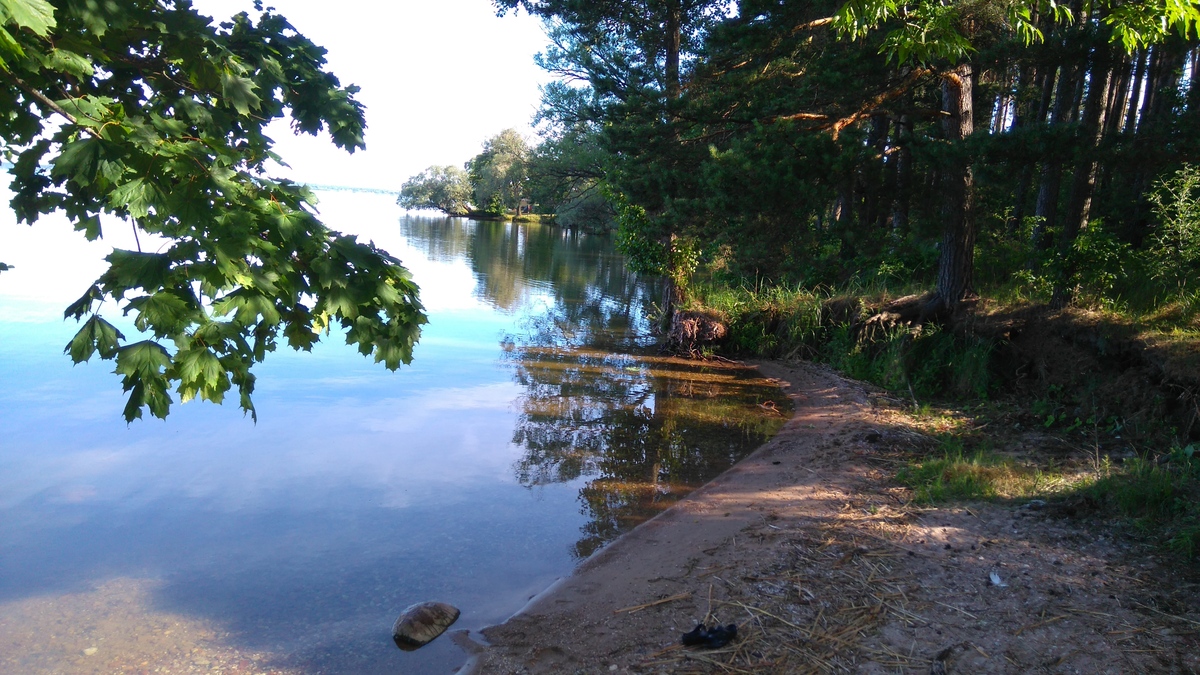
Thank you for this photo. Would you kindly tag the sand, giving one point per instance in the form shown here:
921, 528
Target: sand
819, 558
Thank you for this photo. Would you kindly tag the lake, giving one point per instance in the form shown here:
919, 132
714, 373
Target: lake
536, 424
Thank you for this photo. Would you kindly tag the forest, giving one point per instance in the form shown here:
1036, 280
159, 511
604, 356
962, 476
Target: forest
963, 202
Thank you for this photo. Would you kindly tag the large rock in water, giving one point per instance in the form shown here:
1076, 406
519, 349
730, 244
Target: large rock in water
421, 623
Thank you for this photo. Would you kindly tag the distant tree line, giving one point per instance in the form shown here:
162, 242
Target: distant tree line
827, 141
559, 177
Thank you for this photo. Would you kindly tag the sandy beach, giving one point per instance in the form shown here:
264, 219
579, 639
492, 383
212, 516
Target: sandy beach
819, 558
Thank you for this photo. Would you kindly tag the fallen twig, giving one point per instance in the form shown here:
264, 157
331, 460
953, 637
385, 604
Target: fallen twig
638, 608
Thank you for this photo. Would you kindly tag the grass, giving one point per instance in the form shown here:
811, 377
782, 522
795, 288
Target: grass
939, 369
1160, 499
980, 475
1157, 499
781, 322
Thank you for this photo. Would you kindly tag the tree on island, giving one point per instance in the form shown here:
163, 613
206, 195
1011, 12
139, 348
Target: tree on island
445, 188
146, 114
494, 181
499, 173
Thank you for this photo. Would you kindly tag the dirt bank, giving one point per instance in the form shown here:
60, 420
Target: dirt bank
809, 547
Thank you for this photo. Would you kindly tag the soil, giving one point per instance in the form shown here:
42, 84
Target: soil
825, 565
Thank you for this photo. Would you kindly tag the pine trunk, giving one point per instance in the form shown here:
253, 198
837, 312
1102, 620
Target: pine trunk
1084, 184
1051, 183
956, 267
674, 29
900, 205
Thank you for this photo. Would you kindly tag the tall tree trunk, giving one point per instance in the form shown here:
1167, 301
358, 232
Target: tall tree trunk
1153, 79
1047, 201
956, 266
1030, 113
1152, 141
674, 289
1091, 134
1118, 94
872, 182
674, 29
1084, 184
1136, 93
900, 203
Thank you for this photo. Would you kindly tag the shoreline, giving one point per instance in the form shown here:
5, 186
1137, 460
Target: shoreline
622, 574
808, 546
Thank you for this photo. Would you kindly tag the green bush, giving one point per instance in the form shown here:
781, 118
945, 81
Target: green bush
1175, 246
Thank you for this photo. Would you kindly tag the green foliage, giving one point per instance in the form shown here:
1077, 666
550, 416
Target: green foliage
927, 31
640, 241
495, 205
925, 361
770, 322
1175, 247
1163, 497
954, 476
445, 188
982, 474
145, 112
499, 173
1136, 24
566, 172
1095, 264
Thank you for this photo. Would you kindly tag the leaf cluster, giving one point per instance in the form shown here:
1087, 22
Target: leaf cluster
148, 113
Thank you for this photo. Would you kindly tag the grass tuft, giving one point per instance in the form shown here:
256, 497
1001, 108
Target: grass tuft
1157, 497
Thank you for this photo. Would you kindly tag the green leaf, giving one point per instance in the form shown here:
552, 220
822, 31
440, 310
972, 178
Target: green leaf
90, 227
36, 15
134, 269
247, 306
239, 93
200, 373
137, 197
79, 160
144, 358
69, 62
144, 366
95, 335
163, 313
84, 304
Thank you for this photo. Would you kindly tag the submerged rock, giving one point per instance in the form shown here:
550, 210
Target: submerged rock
421, 623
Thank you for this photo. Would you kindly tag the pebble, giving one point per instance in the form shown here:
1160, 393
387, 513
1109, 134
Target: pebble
89, 651
421, 623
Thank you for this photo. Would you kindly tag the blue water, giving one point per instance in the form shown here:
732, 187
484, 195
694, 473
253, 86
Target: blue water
358, 491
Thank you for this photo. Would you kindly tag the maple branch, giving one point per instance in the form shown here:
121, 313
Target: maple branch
45, 100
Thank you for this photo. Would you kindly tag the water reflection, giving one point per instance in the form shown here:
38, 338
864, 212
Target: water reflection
597, 405
521, 268
535, 424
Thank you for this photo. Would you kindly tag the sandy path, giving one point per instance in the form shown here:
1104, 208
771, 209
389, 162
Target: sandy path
808, 547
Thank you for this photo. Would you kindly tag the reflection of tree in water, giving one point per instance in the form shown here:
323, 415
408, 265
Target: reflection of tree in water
643, 430
513, 263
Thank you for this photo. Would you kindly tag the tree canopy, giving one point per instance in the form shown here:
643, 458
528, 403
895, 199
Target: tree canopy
445, 188
838, 141
498, 174
146, 114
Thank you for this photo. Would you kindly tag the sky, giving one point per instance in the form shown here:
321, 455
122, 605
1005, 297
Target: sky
437, 79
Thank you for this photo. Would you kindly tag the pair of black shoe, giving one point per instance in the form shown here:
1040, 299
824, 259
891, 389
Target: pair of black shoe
710, 638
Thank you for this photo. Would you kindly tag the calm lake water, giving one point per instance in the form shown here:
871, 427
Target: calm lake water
536, 424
